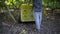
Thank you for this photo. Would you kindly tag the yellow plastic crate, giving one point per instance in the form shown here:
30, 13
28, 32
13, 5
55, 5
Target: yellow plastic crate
26, 12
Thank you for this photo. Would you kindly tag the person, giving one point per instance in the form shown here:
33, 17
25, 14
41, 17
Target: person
37, 8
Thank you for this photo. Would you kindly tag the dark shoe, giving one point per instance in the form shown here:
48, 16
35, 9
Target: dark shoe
38, 30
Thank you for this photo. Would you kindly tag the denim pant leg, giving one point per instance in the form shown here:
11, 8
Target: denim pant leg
37, 16
40, 17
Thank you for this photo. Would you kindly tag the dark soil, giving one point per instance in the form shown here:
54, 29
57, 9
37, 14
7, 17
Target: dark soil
49, 25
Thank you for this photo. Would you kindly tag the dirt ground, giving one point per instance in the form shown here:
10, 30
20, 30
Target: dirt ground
49, 25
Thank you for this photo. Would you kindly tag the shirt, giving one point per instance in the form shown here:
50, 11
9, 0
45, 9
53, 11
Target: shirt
37, 5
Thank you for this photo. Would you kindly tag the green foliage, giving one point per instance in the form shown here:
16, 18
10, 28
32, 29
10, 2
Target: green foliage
51, 3
2, 4
17, 3
12, 3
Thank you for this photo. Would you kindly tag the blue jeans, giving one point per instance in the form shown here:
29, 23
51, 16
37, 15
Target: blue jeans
38, 19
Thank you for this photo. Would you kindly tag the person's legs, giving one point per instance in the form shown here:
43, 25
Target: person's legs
37, 20
40, 18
